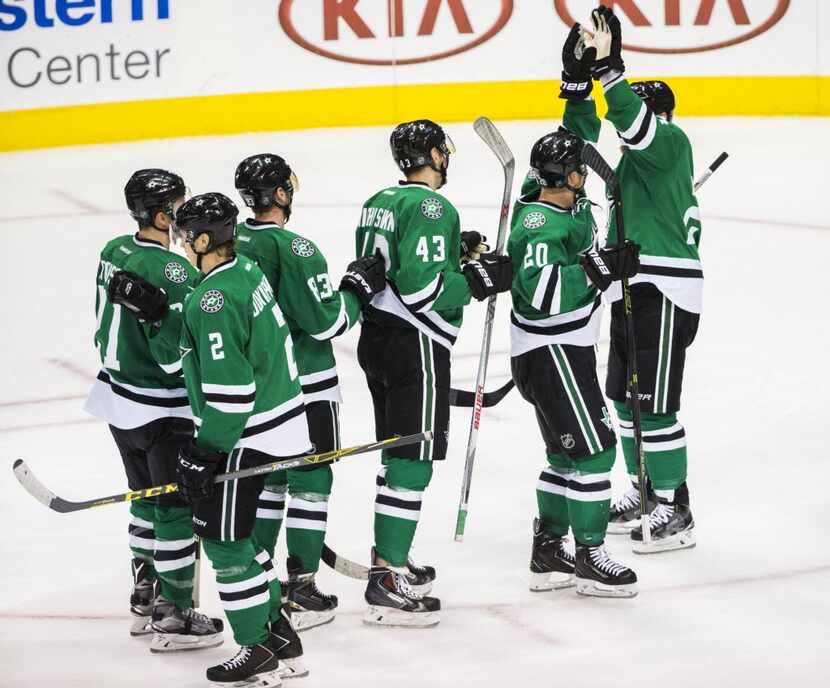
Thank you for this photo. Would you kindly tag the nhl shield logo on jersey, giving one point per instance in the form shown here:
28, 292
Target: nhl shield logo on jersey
212, 301
432, 208
302, 247
534, 220
175, 272
568, 441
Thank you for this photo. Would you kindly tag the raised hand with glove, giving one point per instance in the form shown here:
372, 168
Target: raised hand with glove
577, 64
365, 277
491, 274
196, 469
607, 40
473, 245
611, 263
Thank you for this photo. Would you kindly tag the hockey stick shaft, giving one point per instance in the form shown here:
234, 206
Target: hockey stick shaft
490, 135
710, 170
595, 161
45, 496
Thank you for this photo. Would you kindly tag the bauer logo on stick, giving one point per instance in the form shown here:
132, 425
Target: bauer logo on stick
212, 301
432, 208
175, 272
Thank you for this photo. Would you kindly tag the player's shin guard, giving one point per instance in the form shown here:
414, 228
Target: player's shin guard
307, 515
175, 553
398, 507
551, 496
141, 529
270, 512
589, 497
248, 591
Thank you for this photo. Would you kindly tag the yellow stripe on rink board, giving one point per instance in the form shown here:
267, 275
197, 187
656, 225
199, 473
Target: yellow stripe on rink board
374, 105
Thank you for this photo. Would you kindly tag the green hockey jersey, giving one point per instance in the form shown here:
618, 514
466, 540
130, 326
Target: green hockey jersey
553, 300
661, 212
140, 380
418, 232
315, 311
238, 363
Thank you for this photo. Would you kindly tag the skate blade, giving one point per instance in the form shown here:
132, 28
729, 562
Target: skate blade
591, 588
266, 679
292, 668
302, 621
684, 540
141, 626
386, 616
622, 527
554, 580
177, 642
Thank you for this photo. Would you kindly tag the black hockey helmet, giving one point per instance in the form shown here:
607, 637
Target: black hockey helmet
554, 156
213, 214
259, 176
657, 95
412, 144
151, 191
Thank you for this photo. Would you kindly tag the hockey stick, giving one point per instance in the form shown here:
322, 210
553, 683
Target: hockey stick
342, 565
48, 498
710, 170
592, 158
464, 399
490, 135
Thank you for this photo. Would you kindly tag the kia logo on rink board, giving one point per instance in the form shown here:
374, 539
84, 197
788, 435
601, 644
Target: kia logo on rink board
392, 32
682, 26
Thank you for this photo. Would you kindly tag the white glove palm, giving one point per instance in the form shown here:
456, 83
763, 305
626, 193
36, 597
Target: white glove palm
601, 39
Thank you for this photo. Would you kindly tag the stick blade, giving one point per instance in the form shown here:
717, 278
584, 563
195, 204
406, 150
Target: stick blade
342, 565
32, 485
488, 133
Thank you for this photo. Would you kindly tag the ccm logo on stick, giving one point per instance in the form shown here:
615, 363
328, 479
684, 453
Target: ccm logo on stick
682, 26
392, 32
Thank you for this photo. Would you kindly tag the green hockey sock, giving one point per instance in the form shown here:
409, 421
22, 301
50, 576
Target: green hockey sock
248, 587
589, 497
175, 553
307, 515
401, 485
270, 511
142, 529
551, 495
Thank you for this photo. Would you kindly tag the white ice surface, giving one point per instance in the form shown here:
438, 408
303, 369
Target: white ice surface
748, 607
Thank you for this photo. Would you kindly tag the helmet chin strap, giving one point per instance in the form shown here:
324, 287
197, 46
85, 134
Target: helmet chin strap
442, 170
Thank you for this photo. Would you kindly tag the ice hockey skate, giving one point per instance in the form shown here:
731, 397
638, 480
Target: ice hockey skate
309, 607
551, 565
420, 578
597, 575
393, 602
253, 666
182, 629
672, 527
145, 589
287, 645
625, 511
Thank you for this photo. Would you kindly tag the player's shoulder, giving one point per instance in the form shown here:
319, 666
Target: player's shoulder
297, 248
225, 288
426, 204
118, 248
535, 218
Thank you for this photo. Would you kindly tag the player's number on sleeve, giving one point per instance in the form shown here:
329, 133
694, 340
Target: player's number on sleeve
320, 286
216, 346
536, 255
438, 252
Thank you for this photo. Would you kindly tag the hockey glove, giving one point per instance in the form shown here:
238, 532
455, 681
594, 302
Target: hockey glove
473, 245
608, 42
577, 63
195, 470
612, 263
365, 277
491, 274
132, 291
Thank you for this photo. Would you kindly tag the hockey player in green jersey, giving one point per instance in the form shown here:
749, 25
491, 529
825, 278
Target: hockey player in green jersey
140, 290
315, 312
244, 389
662, 216
406, 337
554, 327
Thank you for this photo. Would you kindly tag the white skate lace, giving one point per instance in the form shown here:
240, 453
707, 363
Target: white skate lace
403, 587
661, 514
240, 659
627, 501
198, 618
605, 563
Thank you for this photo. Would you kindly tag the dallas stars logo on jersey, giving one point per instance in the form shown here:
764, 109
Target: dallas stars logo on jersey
432, 208
302, 247
212, 301
175, 272
534, 220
